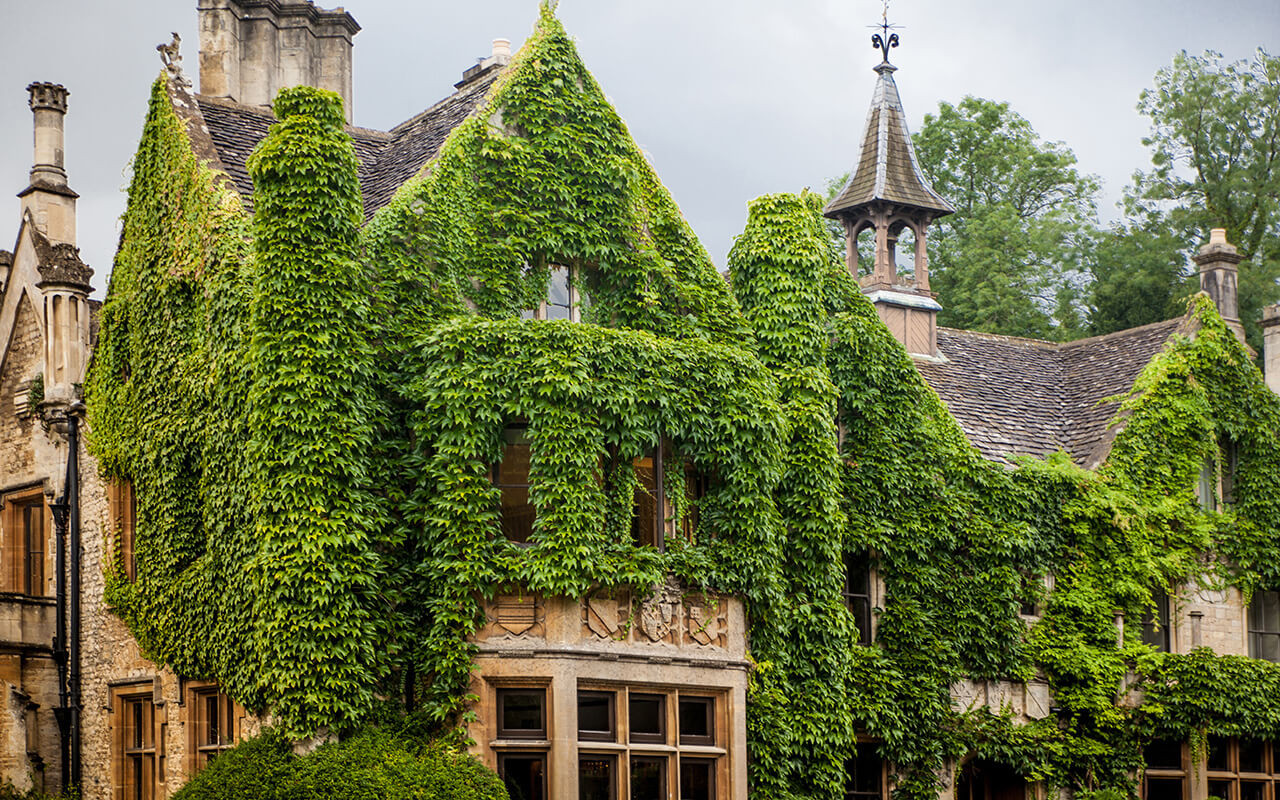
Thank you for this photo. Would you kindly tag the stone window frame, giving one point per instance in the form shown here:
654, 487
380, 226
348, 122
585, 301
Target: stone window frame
505, 748
195, 697
670, 750
1233, 776
19, 575
137, 753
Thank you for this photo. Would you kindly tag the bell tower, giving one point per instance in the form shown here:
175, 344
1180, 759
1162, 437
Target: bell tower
888, 194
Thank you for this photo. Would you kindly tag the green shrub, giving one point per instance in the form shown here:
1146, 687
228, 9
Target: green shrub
378, 764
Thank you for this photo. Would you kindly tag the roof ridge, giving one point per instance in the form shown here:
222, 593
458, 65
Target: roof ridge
1003, 337
1116, 334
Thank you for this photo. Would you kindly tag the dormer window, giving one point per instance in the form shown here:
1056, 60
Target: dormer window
564, 301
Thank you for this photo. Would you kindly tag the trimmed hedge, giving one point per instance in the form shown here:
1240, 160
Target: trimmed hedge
375, 765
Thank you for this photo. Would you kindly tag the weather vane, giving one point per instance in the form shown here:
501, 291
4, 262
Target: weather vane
885, 40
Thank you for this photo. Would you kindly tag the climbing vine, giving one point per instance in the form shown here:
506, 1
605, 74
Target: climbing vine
309, 411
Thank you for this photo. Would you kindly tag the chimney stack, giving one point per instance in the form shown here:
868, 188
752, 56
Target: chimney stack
251, 49
50, 201
1219, 262
1271, 346
498, 58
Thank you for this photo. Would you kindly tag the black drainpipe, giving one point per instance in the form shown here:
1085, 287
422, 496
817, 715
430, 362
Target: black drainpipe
62, 713
73, 497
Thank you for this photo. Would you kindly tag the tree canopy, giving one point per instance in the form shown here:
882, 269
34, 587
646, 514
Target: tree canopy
1008, 260
1215, 163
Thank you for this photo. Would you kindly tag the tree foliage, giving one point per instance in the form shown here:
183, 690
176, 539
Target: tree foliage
1215, 152
1008, 260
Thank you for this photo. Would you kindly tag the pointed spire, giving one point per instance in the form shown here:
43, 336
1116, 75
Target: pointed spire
887, 168
888, 193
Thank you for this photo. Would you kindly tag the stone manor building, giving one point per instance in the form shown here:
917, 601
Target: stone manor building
606, 696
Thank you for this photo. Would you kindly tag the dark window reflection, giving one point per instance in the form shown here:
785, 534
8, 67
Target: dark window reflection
525, 776
648, 778
595, 778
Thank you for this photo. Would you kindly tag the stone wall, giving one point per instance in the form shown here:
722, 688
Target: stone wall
23, 361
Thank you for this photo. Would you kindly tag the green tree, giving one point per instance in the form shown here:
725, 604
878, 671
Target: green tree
1008, 260
1215, 154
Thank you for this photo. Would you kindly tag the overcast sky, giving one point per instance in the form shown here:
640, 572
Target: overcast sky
730, 98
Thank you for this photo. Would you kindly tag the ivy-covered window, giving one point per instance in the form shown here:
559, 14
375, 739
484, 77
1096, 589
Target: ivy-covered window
1242, 769
511, 476
1207, 488
1230, 466
864, 774
213, 722
857, 594
122, 513
1264, 626
647, 521
1155, 623
563, 301
1165, 776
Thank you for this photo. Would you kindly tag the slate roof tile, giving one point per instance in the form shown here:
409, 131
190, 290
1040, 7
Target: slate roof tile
387, 159
1016, 396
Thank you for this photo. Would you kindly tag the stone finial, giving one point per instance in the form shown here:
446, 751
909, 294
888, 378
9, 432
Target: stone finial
48, 97
171, 57
502, 49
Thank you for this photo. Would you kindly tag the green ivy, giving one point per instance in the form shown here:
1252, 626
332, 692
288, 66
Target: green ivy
309, 411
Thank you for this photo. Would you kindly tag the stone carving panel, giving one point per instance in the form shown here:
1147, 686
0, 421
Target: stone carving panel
605, 615
514, 616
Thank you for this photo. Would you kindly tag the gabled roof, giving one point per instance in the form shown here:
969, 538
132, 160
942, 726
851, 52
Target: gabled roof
887, 169
387, 158
1015, 396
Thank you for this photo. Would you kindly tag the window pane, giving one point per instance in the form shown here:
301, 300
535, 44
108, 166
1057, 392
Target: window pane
1163, 754
595, 715
521, 711
512, 476
558, 306
864, 772
697, 779
1219, 756
1251, 755
696, 719
1271, 612
647, 712
1267, 647
1220, 790
595, 778
644, 521
648, 779
1164, 789
1155, 623
525, 776
1253, 790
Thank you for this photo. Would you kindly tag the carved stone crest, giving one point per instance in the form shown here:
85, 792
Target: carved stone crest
600, 615
660, 614
171, 56
706, 623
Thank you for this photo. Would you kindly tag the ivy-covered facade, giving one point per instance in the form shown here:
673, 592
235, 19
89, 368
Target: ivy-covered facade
459, 423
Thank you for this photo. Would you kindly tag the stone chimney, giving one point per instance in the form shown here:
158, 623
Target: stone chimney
251, 49
49, 200
499, 58
1219, 277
